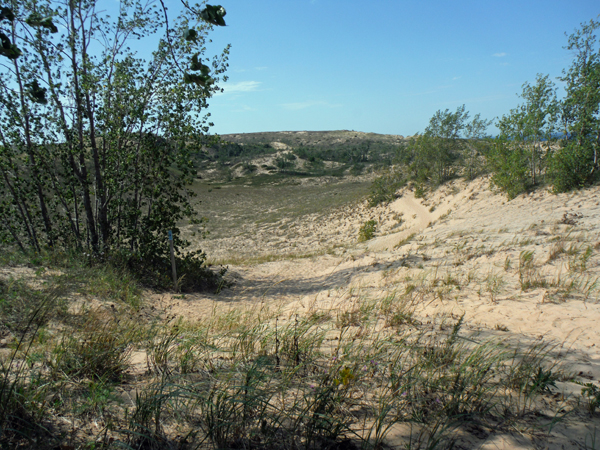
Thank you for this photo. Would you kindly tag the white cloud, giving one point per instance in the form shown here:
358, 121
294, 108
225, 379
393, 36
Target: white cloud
244, 108
239, 87
499, 55
456, 78
308, 104
260, 68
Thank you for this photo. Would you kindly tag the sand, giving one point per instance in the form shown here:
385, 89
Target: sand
461, 247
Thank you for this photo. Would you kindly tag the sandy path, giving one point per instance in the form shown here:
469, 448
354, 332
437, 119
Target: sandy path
417, 217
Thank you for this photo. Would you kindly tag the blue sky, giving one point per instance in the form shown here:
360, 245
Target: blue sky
384, 66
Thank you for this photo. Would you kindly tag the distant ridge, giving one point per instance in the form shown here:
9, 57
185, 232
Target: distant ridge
296, 139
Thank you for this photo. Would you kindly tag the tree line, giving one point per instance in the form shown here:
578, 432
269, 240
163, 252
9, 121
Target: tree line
544, 141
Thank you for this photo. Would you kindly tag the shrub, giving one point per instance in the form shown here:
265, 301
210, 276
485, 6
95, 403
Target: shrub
367, 231
571, 167
419, 191
509, 168
383, 189
156, 272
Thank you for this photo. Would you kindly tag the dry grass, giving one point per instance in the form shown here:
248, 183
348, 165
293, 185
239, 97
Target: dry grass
339, 376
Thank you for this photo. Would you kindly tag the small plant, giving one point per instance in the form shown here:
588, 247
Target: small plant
591, 393
248, 167
579, 262
557, 249
445, 215
406, 240
529, 277
542, 381
419, 191
100, 350
494, 284
367, 231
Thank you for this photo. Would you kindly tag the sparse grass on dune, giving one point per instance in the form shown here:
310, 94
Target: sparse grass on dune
345, 376
86, 363
269, 257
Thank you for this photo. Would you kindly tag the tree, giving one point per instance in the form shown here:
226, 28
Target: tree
95, 142
527, 135
444, 131
576, 163
441, 151
476, 145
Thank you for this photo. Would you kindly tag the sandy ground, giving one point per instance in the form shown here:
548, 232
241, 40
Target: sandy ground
461, 248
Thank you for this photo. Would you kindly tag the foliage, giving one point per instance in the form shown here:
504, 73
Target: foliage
508, 167
576, 163
528, 150
285, 162
367, 231
96, 142
591, 393
384, 187
519, 155
450, 145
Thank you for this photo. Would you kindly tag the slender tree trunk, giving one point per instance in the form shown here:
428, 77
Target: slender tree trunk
24, 213
31, 154
101, 194
80, 175
87, 201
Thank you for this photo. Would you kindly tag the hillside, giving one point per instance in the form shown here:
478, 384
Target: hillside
524, 272
327, 139
298, 153
464, 319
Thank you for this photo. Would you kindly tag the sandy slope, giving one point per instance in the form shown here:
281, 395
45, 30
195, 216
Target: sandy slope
463, 260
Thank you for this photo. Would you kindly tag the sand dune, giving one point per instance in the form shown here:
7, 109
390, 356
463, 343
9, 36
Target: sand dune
523, 271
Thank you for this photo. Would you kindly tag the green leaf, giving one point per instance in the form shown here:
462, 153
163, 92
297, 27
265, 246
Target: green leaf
200, 80
197, 65
5, 41
214, 15
35, 20
8, 49
190, 35
6, 13
36, 93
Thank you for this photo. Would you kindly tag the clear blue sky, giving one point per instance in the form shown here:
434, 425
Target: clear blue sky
384, 66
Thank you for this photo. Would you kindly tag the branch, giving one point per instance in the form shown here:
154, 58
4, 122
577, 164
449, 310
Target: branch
168, 36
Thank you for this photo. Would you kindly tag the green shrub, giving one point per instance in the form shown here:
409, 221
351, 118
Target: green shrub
248, 167
419, 191
367, 231
509, 167
571, 167
383, 189
591, 394
155, 272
